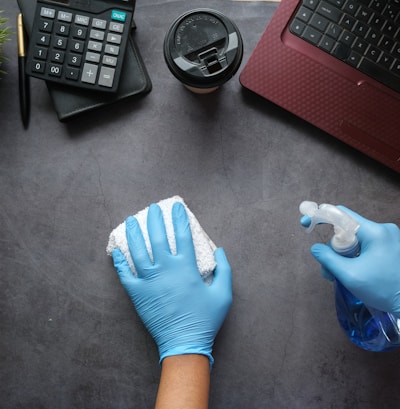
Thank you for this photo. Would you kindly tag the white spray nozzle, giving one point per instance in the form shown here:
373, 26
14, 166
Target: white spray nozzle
345, 226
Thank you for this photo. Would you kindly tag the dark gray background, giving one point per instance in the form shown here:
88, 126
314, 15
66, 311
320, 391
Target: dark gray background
69, 336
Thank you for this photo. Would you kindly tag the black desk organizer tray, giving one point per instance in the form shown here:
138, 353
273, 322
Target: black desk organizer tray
70, 101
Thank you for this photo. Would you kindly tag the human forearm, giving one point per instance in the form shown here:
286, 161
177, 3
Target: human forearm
184, 383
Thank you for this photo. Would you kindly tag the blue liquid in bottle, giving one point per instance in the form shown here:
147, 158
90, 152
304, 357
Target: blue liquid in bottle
366, 327
373, 331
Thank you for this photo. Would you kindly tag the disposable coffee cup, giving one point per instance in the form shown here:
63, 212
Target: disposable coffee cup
203, 49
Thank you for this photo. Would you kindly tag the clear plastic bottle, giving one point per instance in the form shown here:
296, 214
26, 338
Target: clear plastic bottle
365, 326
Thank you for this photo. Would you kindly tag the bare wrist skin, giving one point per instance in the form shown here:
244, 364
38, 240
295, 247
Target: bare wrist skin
184, 383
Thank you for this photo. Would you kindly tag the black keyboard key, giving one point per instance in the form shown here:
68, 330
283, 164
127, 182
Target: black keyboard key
46, 25
373, 53
389, 29
347, 38
377, 21
297, 27
341, 51
304, 14
334, 31
43, 39
329, 11
54, 70
79, 32
348, 22
363, 14
57, 56
386, 44
360, 45
354, 59
351, 7
72, 73
378, 5
373, 36
386, 61
327, 43
319, 22
360, 29
40, 52
311, 4
311, 35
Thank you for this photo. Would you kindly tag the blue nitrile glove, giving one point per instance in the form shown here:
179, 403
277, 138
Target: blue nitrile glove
373, 276
181, 312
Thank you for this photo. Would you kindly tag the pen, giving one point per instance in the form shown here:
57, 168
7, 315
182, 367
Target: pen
24, 94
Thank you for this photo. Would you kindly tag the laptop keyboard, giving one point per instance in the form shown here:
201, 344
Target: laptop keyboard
363, 33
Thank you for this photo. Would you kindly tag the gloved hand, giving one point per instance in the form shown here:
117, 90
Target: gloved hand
180, 311
374, 276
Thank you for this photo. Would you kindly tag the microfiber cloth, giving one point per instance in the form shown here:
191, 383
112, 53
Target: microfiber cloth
203, 245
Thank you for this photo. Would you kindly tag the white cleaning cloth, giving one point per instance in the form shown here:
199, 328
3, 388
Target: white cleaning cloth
203, 245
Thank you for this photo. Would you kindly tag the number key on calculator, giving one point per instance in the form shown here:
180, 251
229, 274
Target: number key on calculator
78, 45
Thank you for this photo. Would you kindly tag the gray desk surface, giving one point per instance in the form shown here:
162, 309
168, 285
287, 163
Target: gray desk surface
69, 336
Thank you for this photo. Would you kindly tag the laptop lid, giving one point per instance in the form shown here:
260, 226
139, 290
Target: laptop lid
323, 90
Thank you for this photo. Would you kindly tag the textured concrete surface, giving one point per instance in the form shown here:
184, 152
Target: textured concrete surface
69, 336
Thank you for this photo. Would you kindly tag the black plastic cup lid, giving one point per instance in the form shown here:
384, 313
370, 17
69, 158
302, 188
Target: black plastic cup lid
203, 48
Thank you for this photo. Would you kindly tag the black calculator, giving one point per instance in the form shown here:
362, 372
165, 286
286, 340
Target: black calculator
80, 42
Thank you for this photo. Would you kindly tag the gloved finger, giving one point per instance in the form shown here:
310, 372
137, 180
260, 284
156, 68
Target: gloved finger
157, 232
183, 233
121, 265
222, 281
336, 264
137, 246
305, 221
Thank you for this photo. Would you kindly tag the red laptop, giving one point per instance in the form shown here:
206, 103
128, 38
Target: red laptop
336, 64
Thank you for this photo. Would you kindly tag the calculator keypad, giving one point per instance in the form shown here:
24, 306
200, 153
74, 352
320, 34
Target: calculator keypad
77, 48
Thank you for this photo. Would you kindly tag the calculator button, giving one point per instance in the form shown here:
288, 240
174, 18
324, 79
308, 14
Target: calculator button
74, 59
89, 73
109, 60
62, 29
79, 32
100, 24
82, 20
55, 70
43, 39
72, 74
38, 66
77, 46
116, 27
111, 49
114, 38
106, 77
97, 34
60, 42
95, 46
46, 12
118, 15
93, 57
57, 56
64, 16
46, 25
40, 53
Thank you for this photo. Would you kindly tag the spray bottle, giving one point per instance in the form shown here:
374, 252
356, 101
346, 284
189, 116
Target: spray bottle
365, 326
